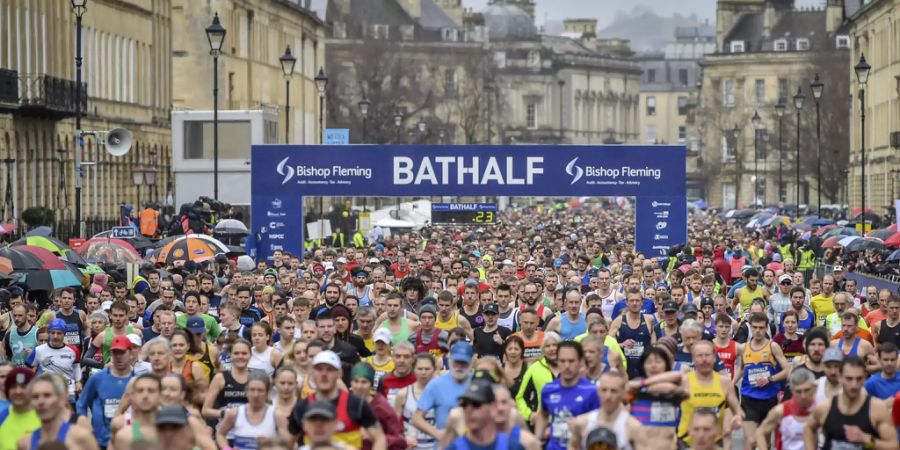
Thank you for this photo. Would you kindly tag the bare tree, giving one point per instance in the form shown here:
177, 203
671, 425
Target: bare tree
833, 69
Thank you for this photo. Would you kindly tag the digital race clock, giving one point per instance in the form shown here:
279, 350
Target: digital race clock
463, 213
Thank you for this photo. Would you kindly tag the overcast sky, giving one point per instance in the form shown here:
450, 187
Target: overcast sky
605, 10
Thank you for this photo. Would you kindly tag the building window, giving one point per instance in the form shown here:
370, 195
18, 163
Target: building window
380, 31
450, 83
761, 189
802, 44
842, 42
729, 200
762, 145
729, 93
782, 91
651, 133
781, 45
339, 30
760, 92
682, 134
450, 34
500, 59
651, 75
407, 32
737, 46
682, 105
531, 116
683, 77
534, 58
651, 106
729, 146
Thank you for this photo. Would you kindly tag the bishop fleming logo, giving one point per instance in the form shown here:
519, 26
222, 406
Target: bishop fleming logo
574, 171
285, 170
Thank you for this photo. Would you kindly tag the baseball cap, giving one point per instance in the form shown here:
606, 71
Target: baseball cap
272, 272
670, 305
689, 308
832, 354
135, 340
329, 358
478, 392
490, 308
341, 260
383, 335
706, 301
57, 325
461, 351
195, 325
601, 436
20, 376
776, 257
329, 266
784, 278
172, 415
120, 343
374, 260
837, 269
320, 409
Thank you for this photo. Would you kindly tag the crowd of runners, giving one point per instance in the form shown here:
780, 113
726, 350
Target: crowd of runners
545, 331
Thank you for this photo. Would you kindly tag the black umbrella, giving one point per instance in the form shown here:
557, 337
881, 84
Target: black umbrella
21, 260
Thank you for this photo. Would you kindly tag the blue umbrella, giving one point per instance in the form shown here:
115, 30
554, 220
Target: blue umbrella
821, 222
40, 231
894, 256
48, 280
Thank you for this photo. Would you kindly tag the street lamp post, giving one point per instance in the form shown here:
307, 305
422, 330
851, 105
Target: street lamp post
215, 33
79, 7
735, 137
817, 86
779, 111
398, 122
364, 111
321, 84
137, 175
798, 104
422, 127
562, 84
862, 75
288, 61
756, 121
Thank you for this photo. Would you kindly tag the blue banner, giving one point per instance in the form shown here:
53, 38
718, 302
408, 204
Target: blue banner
282, 175
463, 207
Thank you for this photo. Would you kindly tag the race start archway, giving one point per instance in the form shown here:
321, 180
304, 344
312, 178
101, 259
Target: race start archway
282, 175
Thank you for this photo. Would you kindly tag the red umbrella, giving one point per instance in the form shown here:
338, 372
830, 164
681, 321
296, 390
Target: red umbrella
857, 211
831, 242
892, 227
893, 241
49, 261
825, 229
6, 228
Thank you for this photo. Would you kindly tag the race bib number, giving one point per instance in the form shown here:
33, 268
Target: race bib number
244, 442
757, 373
110, 406
635, 351
844, 445
560, 431
72, 339
663, 412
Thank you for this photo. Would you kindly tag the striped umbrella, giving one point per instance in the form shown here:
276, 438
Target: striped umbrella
52, 244
49, 261
6, 266
21, 260
109, 251
190, 248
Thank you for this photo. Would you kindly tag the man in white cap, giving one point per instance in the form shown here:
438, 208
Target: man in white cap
780, 301
353, 413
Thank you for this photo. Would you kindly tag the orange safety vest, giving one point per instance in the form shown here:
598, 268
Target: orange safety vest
149, 220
